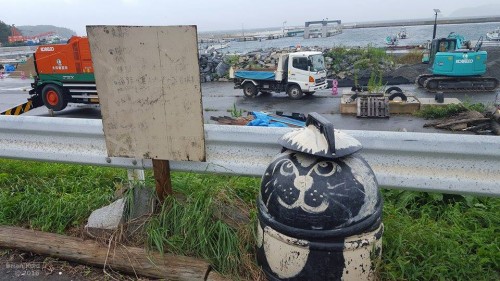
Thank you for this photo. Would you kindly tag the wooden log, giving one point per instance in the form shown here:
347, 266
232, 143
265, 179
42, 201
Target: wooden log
477, 127
130, 260
458, 127
214, 276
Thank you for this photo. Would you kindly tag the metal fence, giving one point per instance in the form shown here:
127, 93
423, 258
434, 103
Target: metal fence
449, 163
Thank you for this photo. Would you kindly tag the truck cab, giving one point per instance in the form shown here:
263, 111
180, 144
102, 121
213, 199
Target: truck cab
296, 74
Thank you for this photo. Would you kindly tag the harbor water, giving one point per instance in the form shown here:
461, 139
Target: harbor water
361, 37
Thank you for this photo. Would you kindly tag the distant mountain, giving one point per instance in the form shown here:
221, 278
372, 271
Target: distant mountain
484, 11
30, 30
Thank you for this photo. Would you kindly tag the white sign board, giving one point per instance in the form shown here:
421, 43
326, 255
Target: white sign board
149, 89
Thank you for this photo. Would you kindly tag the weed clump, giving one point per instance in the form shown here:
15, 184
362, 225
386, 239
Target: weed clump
356, 62
194, 223
435, 112
413, 57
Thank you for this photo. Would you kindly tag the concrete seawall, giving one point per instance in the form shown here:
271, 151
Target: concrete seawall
421, 22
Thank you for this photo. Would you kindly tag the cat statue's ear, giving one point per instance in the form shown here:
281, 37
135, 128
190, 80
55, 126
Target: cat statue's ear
319, 138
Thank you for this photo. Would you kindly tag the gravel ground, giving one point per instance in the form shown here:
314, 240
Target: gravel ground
493, 64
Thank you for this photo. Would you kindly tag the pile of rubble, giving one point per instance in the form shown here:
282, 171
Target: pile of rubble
340, 64
215, 66
471, 121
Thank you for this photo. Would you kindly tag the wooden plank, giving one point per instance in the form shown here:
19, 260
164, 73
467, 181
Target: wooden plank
125, 259
468, 120
149, 90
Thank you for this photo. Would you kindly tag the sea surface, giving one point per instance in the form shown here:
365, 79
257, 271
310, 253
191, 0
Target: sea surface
362, 37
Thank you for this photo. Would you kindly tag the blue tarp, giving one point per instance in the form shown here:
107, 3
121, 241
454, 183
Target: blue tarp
256, 75
9, 68
265, 120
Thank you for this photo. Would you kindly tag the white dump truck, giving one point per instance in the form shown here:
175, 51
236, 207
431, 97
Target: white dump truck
296, 74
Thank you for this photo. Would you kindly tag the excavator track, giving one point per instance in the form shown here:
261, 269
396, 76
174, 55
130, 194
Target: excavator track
444, 84
421, 79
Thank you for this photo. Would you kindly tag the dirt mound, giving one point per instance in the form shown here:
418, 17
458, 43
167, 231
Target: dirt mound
493, 64
28, 67
407, 72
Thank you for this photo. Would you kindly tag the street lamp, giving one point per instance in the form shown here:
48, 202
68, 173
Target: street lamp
436, 11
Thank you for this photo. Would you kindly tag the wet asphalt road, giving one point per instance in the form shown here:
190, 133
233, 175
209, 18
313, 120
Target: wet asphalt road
220, 97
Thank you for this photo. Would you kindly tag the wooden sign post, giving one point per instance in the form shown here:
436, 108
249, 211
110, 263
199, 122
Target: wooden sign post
161, 170
149, 89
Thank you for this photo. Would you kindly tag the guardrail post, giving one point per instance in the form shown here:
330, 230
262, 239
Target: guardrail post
136, 175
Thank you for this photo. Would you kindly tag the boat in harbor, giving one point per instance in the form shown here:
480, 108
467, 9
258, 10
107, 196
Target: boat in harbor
402, 34
391, 40
493, 35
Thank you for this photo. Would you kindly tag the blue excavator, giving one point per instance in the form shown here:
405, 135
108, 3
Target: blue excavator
456, 67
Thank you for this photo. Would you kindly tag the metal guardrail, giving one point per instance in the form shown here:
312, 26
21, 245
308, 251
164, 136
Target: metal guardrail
490, 44
464, 164
16, 51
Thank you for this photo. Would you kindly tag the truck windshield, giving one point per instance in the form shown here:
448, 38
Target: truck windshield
317, 62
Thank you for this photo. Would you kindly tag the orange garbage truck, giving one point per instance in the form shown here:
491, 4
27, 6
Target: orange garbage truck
64, 74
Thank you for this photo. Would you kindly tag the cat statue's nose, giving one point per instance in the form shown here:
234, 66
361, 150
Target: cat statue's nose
303, 183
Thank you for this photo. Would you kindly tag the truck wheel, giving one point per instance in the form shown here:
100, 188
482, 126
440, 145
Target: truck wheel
250, 90
294, 92
53, 97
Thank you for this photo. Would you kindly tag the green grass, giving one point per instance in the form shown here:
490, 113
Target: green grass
188, 225
235, 112
427, 236
430, 236
52, 197
232, 59
413, 57
434, 112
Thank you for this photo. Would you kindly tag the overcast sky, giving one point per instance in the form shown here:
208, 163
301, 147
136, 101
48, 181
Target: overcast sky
227, 14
